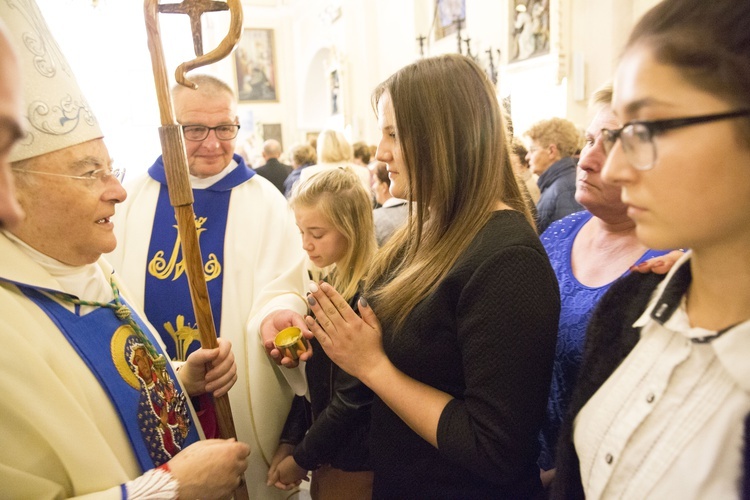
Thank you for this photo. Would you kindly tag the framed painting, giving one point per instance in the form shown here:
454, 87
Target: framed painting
255, 66
529, 29
273, 131
448, 12
335, 88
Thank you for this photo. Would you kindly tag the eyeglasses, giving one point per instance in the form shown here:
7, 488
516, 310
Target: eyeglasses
638, 136
200, 132
101, 174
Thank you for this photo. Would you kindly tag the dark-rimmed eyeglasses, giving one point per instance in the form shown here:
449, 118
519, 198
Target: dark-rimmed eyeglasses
200, 132
638, 136
101, 174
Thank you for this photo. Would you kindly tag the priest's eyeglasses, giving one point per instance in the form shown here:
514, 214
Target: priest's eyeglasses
200, 132
638, 136
101, 174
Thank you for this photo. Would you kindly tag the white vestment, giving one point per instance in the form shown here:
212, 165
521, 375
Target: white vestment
61, 436
264, 270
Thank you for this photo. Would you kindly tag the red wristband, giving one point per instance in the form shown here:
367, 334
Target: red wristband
165, 467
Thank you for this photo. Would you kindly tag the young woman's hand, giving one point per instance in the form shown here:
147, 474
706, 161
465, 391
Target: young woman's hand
290, 474
354, 343
283, 452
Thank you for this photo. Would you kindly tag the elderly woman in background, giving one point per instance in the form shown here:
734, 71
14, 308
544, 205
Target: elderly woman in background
303, 156
588, 250
553, 144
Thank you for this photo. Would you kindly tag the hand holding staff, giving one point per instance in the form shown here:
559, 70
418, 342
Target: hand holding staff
176, 165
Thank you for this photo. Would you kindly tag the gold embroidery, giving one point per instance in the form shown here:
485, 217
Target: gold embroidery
117, 347
212, 268
160, 268
183, 336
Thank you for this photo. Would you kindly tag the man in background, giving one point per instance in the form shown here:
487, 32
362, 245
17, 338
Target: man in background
274, 170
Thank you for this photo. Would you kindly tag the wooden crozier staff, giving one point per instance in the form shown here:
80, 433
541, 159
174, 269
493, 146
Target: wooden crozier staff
176, 165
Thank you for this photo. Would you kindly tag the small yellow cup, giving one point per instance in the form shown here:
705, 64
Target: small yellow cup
290, 342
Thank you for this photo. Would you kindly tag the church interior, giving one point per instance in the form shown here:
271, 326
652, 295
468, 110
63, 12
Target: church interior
319, 60
427, 248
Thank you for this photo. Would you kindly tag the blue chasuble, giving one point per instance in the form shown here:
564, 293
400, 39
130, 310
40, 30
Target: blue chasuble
151, 405
167, 301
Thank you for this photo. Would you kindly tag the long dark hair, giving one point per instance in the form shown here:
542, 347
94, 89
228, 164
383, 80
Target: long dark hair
454, 143
708, 41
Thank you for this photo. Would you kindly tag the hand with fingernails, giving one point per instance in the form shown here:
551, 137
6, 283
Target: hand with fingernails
354, 343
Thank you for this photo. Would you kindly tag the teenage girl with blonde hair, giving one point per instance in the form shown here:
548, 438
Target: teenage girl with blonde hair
334, 215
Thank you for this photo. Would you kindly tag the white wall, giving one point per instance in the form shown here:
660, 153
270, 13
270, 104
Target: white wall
369, 41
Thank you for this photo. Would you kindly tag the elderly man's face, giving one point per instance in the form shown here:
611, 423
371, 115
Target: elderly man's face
10, 131
69, 219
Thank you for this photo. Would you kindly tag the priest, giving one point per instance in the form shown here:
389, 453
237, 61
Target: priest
253, 265
91, 405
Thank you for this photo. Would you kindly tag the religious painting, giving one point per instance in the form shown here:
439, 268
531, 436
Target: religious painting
448, 13
335, 88
255, 66
273, 131
529, 29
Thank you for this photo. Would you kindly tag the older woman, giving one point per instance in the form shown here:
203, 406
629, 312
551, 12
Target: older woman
588, 250
553, 144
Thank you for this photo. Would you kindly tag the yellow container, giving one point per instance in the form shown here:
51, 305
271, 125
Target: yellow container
290, 342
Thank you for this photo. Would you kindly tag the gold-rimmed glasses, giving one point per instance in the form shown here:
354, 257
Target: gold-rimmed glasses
101, 174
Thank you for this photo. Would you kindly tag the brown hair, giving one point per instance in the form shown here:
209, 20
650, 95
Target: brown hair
361, 151
381, 172
453, 140
304, 154
708, 42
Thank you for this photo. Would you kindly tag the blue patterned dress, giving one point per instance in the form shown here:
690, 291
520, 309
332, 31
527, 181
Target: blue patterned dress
577, 305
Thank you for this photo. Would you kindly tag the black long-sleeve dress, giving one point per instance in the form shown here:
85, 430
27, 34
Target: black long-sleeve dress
487, 337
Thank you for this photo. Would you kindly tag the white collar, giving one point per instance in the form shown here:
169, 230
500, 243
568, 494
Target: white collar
86, 282
207, 182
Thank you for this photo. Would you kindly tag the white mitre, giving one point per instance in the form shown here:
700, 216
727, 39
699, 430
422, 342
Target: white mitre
57, 115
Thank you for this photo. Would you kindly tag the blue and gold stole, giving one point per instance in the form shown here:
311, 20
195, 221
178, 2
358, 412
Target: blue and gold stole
151, 405
167, 296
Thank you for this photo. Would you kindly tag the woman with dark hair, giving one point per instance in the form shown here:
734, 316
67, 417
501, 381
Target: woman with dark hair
460, 353
662, 411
